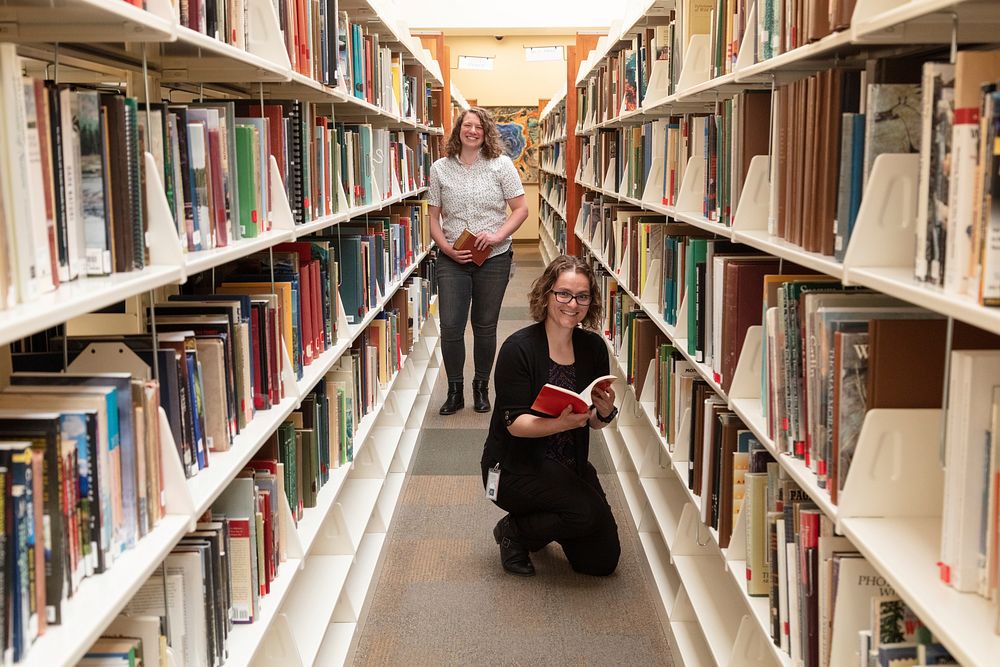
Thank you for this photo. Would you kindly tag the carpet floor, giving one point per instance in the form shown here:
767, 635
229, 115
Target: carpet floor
441, 597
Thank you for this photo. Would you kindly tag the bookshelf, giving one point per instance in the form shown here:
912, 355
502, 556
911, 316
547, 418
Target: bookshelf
891, 508
336, 546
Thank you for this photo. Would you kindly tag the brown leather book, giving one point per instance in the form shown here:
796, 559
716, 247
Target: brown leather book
755, 132
840, 14
113, 109
809, 174
731, 426
405, 334
819, 20
467, 241
742, 293
830, 160
906, 363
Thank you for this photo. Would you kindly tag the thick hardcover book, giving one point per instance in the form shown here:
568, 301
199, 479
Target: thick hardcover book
466, 241
552, 400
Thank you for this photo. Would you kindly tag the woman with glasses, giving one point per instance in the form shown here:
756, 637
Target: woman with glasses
472, 188
546, 484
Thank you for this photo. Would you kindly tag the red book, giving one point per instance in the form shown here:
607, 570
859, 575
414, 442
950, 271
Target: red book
552, 400
467, 241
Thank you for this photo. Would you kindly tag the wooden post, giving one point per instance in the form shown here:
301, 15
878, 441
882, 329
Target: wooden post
435, 44
575, 54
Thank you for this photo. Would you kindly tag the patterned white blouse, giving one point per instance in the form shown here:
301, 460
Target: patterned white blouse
474, 197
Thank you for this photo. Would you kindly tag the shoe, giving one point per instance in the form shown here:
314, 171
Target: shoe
481, 396
455, 400
513, 556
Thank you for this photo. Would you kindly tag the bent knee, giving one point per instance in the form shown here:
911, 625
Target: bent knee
599, 567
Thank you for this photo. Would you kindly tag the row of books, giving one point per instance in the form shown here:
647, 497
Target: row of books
732, 472
554, 124
620, 84
91, 215
324, 44
80, 467
854, 116
108, 490
552, 220
553, 158
828, 605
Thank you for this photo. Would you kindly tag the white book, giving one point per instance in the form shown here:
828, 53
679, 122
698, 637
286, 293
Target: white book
782, 588
148, 601
858, 583
72, 183
794, 617
828, 545
188, 565
962, 186
967, 455
35, 195
146, 629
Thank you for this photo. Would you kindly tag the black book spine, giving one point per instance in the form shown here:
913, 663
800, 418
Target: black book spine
58, 182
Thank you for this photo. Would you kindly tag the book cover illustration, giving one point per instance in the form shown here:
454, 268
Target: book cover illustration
894, 121
853, 398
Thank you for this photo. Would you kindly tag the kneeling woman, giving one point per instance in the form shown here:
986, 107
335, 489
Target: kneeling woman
546, 483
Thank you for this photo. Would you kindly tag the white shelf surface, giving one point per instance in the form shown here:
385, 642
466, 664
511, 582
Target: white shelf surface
906, 551
89, 20
245, 639
79, 297
705, 581
310, 606
336, 645
900, 283
691, 644
328, 221
665, 575
362, 574
206, 486
749, 410
88, 613
203, 260
781, 248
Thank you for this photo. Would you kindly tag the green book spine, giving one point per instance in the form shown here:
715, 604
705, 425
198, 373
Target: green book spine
244, 180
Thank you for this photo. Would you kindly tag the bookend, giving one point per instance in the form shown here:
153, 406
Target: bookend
342, 206
177, 496
746, 378
651, 290
334, 538
264, 36
281, 210
659, 83
883, 234
590, 172
293, 542
697, 63
753, 208
680, 450
289, 386
750, 648
343, 326
693, 537
683, 612
404, 452
373, 460
737, 549
745, 56
682, 316
385, 506
896, 471
608, 185
623, 185
652, 190
161, 233
279, 647
691, 197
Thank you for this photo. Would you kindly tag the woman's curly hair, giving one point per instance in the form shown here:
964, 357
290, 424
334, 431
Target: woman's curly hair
538, 297
491, 147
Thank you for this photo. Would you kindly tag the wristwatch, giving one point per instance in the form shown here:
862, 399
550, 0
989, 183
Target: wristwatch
607, 420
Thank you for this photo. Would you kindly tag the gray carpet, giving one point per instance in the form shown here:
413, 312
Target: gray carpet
442, 597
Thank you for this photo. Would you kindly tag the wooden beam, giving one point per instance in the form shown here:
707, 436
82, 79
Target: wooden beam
575, 54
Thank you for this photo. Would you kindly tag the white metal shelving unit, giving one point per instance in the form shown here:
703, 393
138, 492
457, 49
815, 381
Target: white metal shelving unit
891, 505
350, 498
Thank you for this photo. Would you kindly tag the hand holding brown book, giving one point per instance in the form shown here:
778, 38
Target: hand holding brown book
467, 241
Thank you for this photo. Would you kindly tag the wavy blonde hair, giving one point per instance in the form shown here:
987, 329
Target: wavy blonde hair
491, 147
538, 297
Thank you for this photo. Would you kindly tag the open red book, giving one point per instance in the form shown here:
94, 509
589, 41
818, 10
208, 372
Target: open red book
552, 400
467, 241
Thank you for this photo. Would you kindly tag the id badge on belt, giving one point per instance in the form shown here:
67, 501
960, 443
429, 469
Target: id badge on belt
493, 482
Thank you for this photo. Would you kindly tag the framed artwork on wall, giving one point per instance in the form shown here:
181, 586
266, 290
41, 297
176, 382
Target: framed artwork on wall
519, 129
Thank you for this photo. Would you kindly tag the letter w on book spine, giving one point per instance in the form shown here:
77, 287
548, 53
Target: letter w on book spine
552, 400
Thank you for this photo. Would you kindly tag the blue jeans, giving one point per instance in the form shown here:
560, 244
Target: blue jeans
482, 287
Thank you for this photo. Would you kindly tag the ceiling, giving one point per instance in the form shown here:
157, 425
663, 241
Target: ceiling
509, 17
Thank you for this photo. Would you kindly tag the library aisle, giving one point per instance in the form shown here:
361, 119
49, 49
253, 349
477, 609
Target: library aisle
442, 597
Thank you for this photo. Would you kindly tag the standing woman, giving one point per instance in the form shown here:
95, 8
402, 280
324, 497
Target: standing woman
546, 483
471, 189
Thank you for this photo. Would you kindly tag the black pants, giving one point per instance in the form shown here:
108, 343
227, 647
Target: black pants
558, 505
482, 287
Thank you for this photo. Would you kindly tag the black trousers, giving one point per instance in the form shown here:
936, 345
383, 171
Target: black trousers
555, 504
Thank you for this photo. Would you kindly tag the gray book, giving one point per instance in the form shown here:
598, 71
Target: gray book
935, 150
893, 121
853, 398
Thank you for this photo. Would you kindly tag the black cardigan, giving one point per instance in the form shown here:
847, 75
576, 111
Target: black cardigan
522, 369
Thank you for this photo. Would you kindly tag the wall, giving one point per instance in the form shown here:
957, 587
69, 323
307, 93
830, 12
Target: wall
512, 82
556, 16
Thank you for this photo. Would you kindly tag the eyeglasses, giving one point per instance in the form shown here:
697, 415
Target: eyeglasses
566, 297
